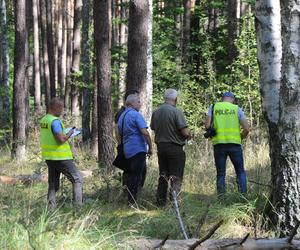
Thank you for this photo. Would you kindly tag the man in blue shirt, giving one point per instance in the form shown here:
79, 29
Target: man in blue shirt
133, 129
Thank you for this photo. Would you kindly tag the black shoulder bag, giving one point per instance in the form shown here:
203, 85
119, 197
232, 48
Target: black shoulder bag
211, 132
120, 161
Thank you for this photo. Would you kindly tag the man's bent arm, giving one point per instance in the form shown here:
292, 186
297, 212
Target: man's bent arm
186, 133
245, 128
207, 122
62, 138
147, 137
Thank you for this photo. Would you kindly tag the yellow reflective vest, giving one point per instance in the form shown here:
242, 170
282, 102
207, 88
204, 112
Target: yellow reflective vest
226, 122
51, 149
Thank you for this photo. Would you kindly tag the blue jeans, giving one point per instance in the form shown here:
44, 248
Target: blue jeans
235, 153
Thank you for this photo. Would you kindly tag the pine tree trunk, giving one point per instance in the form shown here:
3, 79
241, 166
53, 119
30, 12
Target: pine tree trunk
50, 44
94, 132
115, 10
122, 63
86, 93
115, 27
61, 48
69, 24
36, 61
75, 107
210, 21
19, 95
269, 53
186, 31
245, 8
138, 43
46, 72
286, 190
195, 27
4, 69
232, 29
102, 32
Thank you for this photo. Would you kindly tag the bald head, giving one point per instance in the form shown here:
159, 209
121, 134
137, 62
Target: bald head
133, 101
171, 96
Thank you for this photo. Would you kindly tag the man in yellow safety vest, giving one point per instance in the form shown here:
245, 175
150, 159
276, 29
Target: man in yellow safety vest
226, 118
57, 153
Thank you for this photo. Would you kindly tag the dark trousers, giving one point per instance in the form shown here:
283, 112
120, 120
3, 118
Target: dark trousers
171, 161
126, 174
235, 153
66, 167
137, 165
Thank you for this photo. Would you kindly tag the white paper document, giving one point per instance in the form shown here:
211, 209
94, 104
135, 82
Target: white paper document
75, 133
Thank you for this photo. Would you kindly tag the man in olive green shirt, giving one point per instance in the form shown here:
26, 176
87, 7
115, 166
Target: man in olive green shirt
171, 133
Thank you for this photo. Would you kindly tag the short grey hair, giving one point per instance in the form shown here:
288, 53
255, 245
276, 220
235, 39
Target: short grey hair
170, 94
131, 99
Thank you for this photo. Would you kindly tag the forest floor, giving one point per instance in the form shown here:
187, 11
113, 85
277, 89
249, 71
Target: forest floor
106, 222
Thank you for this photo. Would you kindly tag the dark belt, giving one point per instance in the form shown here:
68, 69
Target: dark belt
169, 143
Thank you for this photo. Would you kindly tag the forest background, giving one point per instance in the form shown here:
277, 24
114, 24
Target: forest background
89, 53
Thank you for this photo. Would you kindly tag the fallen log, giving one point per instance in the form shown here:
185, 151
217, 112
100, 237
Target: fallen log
224, 244
27, 179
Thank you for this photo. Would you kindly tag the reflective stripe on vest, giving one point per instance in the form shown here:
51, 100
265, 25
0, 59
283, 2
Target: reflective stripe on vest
226, 122
51, 149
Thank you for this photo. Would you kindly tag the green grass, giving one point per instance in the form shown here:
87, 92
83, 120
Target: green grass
105, 222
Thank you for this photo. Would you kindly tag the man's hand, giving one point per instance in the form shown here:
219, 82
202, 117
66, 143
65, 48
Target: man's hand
185, 133
62, 138
70, 132
245, 128
150, 152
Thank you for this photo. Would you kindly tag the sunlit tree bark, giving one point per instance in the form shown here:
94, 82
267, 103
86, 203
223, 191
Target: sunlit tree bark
138, 54
36, 56
46, 74
75, 94
286, 184
50, 44
102, 33
86, 93
19, 95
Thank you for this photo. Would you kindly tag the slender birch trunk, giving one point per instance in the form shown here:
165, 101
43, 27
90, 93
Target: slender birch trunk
36, 56
46, 72
69, 24
75, 94
269, 53
123, 42
286, 190
61, 48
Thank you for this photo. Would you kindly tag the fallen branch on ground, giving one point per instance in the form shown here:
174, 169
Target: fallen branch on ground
210, 233
201, 222
224, 244
27, 179
162, 243
181, 225
260, 184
